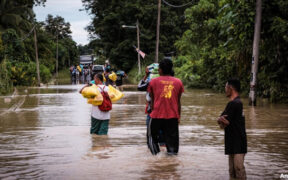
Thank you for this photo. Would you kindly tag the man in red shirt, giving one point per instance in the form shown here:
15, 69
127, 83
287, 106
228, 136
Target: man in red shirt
165, 92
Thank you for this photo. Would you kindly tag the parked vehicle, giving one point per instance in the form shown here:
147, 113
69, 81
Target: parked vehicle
98, 69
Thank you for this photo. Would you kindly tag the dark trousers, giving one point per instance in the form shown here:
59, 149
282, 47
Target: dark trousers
99, 127
170, 130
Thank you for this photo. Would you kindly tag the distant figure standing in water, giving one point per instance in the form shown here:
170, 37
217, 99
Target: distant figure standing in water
99, 118
165, 92
232, 120
119, 82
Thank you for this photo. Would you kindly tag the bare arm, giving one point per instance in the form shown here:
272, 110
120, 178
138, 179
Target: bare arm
223, 122
146, 74
152, 100
179, 106
83, 88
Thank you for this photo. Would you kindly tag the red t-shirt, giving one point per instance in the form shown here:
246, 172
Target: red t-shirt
166, 91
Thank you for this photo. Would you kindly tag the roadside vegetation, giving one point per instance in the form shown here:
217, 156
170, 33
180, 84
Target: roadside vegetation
209, 41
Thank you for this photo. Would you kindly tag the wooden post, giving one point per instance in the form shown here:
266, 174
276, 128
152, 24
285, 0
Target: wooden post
36, 57
158, 31
57, 54
138, 44
255, 56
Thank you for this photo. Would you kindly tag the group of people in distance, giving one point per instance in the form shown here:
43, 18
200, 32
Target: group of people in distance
80, 73
164, 113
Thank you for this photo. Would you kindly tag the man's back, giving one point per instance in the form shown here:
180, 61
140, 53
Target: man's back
166, 91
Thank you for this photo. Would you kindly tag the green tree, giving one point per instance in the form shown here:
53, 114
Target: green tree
57, 26
17, 14
17, 44
116, 43
218, 45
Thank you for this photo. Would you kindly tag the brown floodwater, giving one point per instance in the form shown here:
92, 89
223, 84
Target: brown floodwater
44, 134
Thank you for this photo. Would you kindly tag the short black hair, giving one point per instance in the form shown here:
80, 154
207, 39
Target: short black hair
99, 76
167, 66
235, 83
172, 73
107, 69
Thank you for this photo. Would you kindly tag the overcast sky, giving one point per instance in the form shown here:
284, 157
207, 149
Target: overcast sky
69, 10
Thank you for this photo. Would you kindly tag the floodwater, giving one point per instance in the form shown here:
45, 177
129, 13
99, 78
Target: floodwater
44, 134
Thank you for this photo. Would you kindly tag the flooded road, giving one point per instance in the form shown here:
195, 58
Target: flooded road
44, 134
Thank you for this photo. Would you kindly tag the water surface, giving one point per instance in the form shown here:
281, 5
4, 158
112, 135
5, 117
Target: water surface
44, 134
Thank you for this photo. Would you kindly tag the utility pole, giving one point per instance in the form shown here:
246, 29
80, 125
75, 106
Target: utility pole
255, 56
158, 31
138, 44
57, 52
36, 56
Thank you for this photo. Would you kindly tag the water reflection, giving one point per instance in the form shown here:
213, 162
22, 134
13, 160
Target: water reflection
163, 168
101, 147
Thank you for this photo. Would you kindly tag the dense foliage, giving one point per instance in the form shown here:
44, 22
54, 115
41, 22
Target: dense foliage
218, 45
17, 50
116, 43
210, 40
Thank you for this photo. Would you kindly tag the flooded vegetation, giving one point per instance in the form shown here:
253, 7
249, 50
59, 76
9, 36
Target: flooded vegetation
44, 134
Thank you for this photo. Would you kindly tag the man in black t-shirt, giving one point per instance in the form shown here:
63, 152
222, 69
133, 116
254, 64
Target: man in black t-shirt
119, 82
232, 120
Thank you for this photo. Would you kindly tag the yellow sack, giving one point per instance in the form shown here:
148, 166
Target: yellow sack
113, 76
90, 92
96, 101
104, 79
79, 68
114, 94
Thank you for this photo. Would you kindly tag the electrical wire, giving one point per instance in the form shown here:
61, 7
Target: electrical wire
177, 6
25, 37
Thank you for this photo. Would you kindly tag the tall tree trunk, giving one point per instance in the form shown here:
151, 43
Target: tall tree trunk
255, 56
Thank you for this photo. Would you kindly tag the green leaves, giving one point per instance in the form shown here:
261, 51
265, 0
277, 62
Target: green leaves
116, 42
219, 41
57, 26
17, 46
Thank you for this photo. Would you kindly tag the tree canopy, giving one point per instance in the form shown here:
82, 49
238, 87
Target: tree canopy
57, 26
210, 41
116, 43
17, 51
218, 45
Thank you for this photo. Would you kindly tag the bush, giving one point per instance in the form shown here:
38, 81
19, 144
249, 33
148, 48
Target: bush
45, 74
25, 74
5, 78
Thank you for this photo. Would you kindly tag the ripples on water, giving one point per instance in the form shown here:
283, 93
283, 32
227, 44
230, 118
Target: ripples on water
44, 134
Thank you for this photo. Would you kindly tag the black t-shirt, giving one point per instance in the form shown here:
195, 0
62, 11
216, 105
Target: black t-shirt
235, 132
119, 80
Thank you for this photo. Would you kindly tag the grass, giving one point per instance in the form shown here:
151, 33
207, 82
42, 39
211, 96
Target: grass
63, 77
134, 77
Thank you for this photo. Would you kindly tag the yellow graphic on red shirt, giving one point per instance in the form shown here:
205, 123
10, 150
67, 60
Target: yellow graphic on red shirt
167, 90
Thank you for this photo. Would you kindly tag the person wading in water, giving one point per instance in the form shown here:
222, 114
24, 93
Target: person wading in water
232, 120
165, 92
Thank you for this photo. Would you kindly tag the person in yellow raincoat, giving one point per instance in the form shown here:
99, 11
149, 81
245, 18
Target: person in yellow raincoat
99, 119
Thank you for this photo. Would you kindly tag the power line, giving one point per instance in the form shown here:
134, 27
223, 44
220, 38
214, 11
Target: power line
27, 35
177, 6
23, 38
